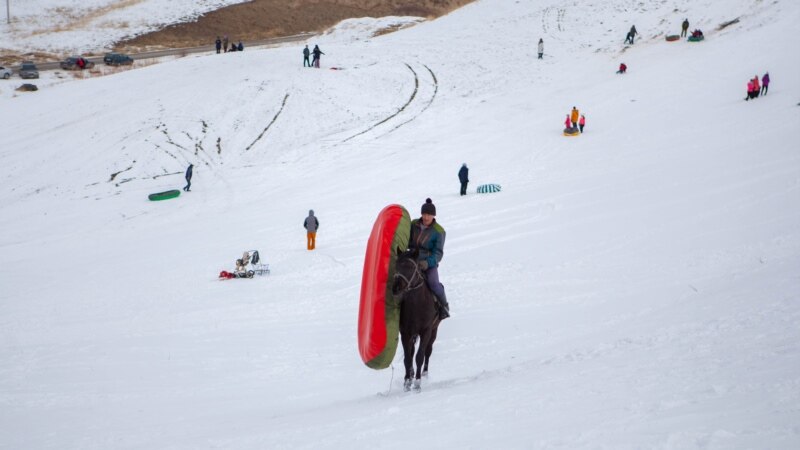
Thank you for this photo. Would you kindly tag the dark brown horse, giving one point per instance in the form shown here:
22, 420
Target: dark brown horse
418, 316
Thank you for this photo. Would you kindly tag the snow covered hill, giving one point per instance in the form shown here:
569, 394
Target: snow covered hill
634, 287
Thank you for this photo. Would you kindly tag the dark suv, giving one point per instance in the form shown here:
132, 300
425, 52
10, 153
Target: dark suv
117, 59
28, 70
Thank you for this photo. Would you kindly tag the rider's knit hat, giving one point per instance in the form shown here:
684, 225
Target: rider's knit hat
428, 207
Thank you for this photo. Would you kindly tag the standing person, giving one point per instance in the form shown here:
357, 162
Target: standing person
188, 178
541, 48
311, 224
765, 83
756, 87
306, 52
632, 32
316, 53
574, 117
225, 43
427, 237
567, 123
463, 177
684, 27
218, 44
582, 122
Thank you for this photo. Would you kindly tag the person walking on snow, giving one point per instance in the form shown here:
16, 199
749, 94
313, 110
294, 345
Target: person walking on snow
684, 27
541, 48
316, 53
306, 53
582, 122
765, 83
188, 178
311, 224
574, 117
631, 34
427, 238
218, 44
756, 87
463, 177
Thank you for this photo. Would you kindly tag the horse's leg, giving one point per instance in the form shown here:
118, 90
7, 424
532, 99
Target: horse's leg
420, 357
408, 352
429, 349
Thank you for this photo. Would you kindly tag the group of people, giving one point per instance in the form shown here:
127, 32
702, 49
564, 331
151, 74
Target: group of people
222, 45
316, 52
575, 120
754, 89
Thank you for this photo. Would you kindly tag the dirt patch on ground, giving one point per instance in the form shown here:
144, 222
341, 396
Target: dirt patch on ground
260, 19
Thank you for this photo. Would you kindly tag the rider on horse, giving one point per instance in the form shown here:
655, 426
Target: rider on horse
427, 237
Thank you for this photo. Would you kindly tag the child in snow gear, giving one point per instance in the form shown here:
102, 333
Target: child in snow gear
684, 27
243, 262
631, 34
463, 177
756, 87
567, 123
541, 48
427, 238
311, 224
574, 117
582, 122
306, 52
218, 44
240, 47
316, 53
750, 87
622, 68
188, 178
765, 83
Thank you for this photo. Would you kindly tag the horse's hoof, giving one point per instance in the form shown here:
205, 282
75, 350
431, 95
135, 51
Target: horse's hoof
417, 386
425, 374
407, 385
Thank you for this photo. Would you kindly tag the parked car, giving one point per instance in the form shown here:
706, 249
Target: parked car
28, 70
118, 59
5, 73
76, 63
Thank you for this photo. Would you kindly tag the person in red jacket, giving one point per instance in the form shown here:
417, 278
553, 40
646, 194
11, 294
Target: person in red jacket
749, 90
622, 68
567, 123
756, 87
582, 122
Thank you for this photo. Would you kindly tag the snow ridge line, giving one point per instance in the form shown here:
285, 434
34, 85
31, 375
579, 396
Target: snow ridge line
402, 108
283, 104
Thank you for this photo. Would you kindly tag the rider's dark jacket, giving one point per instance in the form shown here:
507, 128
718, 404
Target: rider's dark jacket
428, 240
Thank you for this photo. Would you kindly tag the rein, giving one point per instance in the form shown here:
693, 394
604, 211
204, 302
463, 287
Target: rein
417, 275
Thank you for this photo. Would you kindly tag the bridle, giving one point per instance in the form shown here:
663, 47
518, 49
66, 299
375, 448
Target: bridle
417, 275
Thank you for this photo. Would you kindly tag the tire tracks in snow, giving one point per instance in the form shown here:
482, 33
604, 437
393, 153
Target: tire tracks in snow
427, 105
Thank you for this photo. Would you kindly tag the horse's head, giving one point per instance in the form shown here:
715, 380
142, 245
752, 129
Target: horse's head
407, 275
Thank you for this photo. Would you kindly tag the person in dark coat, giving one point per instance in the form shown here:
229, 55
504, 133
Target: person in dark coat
463, 177
311, 224
765, 83
316, 53
225, 44
631, 34
188, 178
684, 27
240, 47
427, 238
306, 53
218, 44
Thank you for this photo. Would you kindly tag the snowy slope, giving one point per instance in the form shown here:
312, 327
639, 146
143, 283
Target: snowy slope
635, 287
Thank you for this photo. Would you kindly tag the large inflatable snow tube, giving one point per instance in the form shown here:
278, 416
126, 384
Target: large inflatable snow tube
696, 38
572, 131
488, 188
672, 37
379, 311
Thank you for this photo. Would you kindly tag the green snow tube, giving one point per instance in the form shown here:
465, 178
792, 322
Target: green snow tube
166, 195
696, 38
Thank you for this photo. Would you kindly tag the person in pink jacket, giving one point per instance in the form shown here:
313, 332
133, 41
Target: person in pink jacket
749, 90
756, 87
567, 123
582, 122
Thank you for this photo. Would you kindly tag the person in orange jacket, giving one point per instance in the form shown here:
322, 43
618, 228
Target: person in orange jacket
574, 117
582, 122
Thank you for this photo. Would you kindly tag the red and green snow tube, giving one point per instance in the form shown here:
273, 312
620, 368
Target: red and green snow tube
379, 310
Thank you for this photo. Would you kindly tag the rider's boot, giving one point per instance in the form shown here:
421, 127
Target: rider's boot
444, 308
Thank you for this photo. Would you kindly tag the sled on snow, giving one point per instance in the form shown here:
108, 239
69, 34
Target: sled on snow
488, 188
672, 37
166, 195
572, 131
